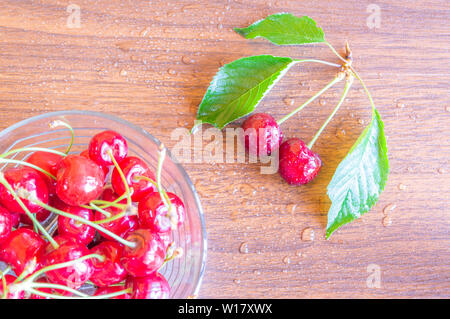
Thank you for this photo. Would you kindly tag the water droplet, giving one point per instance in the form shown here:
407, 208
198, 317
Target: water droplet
144, 32
289, 101
187, 59
171, 71
220, 26
308, 234
298, 253
442, 170
387, 221
389, 208
340, 133
400, 105
123, 72
257, 272
237, 281
361, 121
287, 260
246, 189
401, 186
291, 208
322, 102
125, 46
243, 248
447, 108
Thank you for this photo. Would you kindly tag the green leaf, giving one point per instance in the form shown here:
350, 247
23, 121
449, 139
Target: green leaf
239, 86
284, 29
360, 177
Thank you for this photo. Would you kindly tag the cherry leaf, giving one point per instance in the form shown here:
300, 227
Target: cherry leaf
239, 86
360, 177
284, 29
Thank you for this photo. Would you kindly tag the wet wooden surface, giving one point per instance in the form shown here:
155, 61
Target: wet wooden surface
151, 62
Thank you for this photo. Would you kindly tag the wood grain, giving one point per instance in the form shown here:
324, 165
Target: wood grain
150, 62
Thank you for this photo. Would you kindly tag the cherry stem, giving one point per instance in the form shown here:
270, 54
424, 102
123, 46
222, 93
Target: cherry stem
122, 176
84, 221
2, 274
353, 71
315, 96
164, 193
12, 161
105, 296
348, 85
5, 183
34, 149
57, 123
317, 61
63, 265
335, 52
95, 207
55, 286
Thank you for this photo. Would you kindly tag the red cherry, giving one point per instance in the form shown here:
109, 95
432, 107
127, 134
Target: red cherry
73, 276
262, 134
109, 290
166, 238
48, 162
154, 286
71, 228
15, 219
79, 180
104, 141
5, 224
42, 216
120, 226
22, 250
298, 164
105, 169
147, 256
110, 271
28, 179
131, 167
153, 213
11, 294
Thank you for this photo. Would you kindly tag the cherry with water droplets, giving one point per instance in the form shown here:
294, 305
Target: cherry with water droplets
153, 213
22, 250
262, 134
153, 286
132, 167
147, 256
298, 164
70, 227
79, 180
29, 180
105, 169
49, 163
105, 142
109, 271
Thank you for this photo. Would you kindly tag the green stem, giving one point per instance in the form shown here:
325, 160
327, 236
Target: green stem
315, 96
104, 212
106, 296
12, 161
348, 85
353, 71
57, 123
317, 61
62, 265
335, 52
122, 176
85, 221
2, 274
27, 211
56, 286
34, 149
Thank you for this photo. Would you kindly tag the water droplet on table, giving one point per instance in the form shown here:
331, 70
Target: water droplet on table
389, 208
308, 234
187, 59
442, 170
322, 102
123, 72
402, 187
287, 260
340, 133
171, 71
387, 221
400, 105
289, 101
243, 248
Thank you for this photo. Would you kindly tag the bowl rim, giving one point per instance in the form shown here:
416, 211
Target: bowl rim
21, 123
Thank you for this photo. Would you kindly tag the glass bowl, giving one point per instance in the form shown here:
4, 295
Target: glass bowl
185, 273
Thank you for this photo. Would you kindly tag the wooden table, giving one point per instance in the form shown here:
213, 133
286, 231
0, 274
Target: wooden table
150, 62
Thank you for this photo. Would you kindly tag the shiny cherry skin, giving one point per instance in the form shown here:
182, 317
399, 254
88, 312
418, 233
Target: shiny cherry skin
298, 164
104, 141
48, 162
262, 134
153, 286
105, 169
147, 256
132, 167
28, 179
42, 216
11, 294
15, 219
69, 249
109, 290
22, 250
121, 226
110, 271
79, 180
5, 224
69, 227
153, 213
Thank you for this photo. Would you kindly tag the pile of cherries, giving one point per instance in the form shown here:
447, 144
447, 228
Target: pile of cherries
114, 223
